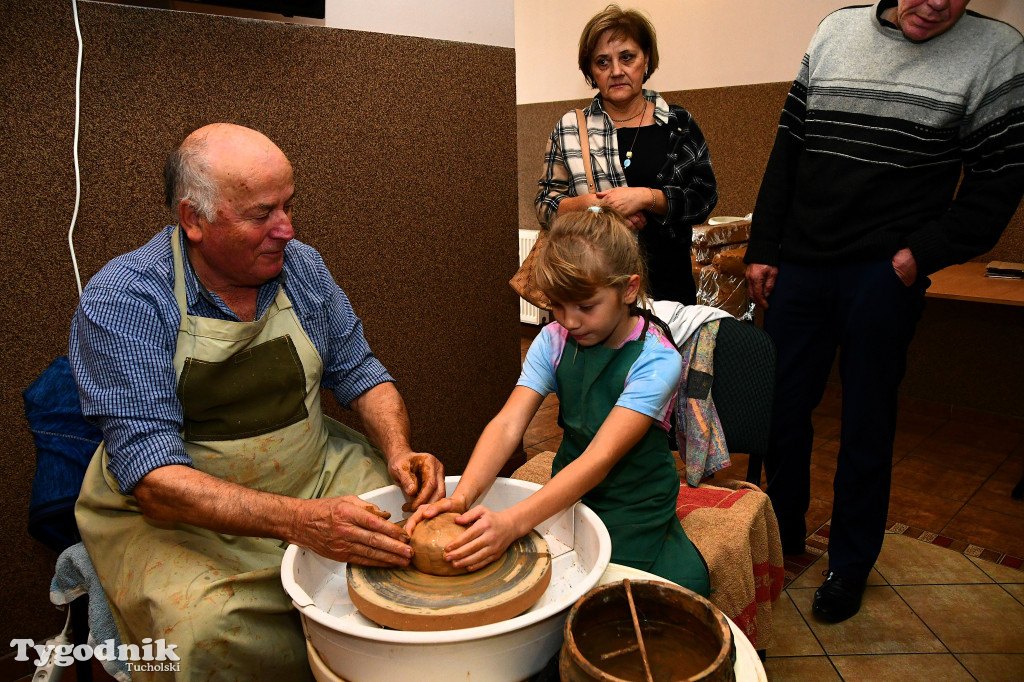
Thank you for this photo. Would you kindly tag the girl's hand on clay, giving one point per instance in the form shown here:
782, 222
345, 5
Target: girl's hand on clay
484, 541
456, 503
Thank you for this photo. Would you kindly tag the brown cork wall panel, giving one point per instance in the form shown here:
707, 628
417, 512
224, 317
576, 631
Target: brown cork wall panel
404, 161
739, 123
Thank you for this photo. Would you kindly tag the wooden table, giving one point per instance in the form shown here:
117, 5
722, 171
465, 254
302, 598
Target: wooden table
967, 282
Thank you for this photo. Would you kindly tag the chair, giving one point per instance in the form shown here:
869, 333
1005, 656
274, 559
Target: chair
64, 443
743, 390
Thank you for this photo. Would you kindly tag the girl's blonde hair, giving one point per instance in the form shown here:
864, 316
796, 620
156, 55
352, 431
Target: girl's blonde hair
587, 250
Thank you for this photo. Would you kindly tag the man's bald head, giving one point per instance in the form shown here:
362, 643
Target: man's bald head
197, 170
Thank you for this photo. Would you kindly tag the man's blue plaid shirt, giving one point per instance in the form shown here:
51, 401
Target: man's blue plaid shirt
124, 334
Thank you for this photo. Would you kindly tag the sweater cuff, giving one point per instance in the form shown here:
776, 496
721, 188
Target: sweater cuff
763, 252
928, 248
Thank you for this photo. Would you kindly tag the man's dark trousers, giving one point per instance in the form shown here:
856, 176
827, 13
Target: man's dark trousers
865, 311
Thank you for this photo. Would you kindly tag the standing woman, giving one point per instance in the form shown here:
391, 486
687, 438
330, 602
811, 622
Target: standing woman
649, 158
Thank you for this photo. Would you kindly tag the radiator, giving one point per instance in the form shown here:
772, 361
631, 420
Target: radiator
528, 312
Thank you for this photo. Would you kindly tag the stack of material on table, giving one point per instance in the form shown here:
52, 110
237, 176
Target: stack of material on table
716, 255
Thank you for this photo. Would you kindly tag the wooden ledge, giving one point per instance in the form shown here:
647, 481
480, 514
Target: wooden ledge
967, 282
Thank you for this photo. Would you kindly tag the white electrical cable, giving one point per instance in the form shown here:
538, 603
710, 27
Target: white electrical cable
78, 179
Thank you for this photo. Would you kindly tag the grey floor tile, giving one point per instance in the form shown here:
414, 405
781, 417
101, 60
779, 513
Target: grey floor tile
969, 618
902, 667
884, 625
994, 667
906, 561
801, 669
999, 573
793, 636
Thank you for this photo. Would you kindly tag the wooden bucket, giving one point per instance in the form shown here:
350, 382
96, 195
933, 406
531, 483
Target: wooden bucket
686, 637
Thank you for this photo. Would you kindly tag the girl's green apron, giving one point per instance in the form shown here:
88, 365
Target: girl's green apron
637, 499
250, 394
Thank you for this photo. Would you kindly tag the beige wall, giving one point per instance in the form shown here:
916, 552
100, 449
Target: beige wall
702, 43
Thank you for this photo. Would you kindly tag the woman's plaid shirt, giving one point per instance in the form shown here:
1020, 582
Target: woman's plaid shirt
686, 178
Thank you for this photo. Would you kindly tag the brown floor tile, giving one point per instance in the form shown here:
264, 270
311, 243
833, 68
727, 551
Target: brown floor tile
902, 667
825, 426
1016, 591
969, 618
917, 407
801, 669
994, 667
959, 457
995, 493
822, 476
989, 420
793, 637
906, 442
905, 561
980, 437
884, 625
827, 453
921, 510
924, 475
550, 401
818, 513
831, 405
923, 422
543, 427
988, 529
1001, 574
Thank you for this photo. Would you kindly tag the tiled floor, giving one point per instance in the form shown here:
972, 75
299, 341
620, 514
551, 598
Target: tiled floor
938, 606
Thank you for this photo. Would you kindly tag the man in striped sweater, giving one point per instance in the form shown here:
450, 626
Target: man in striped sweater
859, 204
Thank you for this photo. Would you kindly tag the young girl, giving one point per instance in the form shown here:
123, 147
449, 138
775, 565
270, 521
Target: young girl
616, 375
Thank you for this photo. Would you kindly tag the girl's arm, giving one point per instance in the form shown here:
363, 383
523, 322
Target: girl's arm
492, 532
496, 444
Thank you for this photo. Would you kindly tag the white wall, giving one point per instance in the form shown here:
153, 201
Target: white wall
702, 43
486, 22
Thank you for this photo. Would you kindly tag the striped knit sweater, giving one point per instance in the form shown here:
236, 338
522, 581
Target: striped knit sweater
873, 138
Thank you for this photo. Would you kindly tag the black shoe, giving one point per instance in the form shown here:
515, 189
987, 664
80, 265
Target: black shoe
838, 598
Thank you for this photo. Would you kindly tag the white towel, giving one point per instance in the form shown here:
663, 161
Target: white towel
76, 576
684, 320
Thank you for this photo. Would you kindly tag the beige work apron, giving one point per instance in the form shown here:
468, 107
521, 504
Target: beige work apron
250, 394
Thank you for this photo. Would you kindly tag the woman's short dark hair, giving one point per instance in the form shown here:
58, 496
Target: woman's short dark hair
630, 24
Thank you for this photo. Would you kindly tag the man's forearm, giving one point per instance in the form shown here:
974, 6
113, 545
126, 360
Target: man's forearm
181, 494
385, 418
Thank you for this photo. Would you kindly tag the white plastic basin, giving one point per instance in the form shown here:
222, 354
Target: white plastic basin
359, 650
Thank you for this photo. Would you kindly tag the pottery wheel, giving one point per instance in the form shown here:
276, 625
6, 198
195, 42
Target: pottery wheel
407, 599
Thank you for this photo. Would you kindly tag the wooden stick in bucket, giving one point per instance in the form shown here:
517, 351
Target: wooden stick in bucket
636, 627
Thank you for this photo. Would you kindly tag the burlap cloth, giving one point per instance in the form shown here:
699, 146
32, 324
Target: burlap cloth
735, 529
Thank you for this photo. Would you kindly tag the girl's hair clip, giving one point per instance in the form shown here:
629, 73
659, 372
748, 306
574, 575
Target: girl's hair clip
594, 209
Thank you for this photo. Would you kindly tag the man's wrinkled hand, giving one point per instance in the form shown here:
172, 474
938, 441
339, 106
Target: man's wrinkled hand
760, 282
420, 475
905, 266
353, 530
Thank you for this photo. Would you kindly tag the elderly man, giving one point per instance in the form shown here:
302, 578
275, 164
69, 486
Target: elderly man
859, 203
201, 357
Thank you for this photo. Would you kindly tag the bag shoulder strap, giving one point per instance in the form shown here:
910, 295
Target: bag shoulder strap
581, 124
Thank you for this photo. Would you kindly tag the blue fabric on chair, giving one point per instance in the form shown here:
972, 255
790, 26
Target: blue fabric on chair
65, 442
